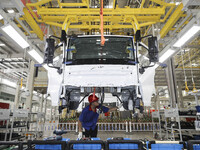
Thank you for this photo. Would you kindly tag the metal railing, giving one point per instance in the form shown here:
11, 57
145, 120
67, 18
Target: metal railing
103, 126
149, 126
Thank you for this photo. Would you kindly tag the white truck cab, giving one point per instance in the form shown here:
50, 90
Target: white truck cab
86, 65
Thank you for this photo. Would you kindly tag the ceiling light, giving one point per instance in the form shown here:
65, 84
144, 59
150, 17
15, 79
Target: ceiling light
15, 36
36, 56
8, 82
176, 3
1, 17
1, 44
194, 64
166, 55
187, 36
10, 11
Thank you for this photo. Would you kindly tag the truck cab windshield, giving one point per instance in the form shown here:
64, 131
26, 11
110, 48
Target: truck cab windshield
88, 50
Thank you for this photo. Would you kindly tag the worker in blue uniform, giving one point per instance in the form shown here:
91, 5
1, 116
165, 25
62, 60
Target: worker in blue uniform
89, 117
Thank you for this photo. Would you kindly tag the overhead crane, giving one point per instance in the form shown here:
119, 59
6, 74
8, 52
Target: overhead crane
69, 16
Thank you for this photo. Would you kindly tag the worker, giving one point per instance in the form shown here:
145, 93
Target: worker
89, 116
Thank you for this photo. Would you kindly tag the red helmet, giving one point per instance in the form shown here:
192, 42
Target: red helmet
92, 99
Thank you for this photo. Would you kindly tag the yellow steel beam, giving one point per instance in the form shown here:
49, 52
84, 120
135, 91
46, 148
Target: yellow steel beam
66, 24
142, 4
146, 24
154, 18
114, 1
168, 13
93, 11
136, 23
117, 26
54, 24
146, 32
133, 25
33, 24
31, 11
172, 20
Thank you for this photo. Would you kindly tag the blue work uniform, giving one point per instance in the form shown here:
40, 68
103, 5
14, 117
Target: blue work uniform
89, 118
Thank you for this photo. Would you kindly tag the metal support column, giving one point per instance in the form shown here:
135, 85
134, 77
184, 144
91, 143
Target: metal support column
51, 113
45, 108
180, 95
171, 81
41, 103
30, 85
157, 100
17, 96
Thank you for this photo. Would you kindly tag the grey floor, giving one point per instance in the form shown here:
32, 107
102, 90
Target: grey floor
104, 135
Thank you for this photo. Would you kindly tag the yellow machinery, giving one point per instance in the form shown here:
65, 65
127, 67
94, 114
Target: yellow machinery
81, 16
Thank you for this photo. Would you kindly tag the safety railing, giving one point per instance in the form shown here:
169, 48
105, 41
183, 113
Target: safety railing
143, 126
37, 126
68, 126
104, 126
50, 126
123, 126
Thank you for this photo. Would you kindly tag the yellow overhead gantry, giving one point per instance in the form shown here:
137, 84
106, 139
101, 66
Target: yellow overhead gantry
80, 15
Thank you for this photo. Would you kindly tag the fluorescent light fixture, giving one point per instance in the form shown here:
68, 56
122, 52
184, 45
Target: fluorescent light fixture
1, 44
176, 3
36, 56
10, 11
15, 36
166, 55
187, 36
1, 17
194, 64
8, 82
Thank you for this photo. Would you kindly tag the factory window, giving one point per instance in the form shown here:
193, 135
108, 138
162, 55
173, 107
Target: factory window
88, 50
6, 96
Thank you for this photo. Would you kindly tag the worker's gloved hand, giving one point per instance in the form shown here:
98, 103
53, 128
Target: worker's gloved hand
80, 135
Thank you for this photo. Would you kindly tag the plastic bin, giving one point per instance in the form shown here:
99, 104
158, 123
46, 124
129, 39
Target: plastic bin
90, 146
126, 143
196, 147
193, 145
166, 146
51, 146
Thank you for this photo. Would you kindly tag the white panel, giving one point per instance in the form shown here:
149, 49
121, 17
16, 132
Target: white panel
172, 112
4, 114
20, 113
155, 114
101, 75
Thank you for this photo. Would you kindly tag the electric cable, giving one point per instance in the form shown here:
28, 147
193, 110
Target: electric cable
186, 86
194, 90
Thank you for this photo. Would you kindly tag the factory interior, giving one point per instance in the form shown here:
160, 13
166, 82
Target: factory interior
99, 74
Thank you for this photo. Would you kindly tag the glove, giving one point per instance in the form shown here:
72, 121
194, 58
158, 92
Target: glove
80, 135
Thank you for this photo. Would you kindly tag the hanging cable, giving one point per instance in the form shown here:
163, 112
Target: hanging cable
186, 86
194, 90
94, 93
101, 17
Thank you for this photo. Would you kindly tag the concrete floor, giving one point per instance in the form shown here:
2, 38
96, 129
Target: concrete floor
104, 135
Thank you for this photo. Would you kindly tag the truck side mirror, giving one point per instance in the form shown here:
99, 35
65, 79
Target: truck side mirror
49, 51
153, 49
